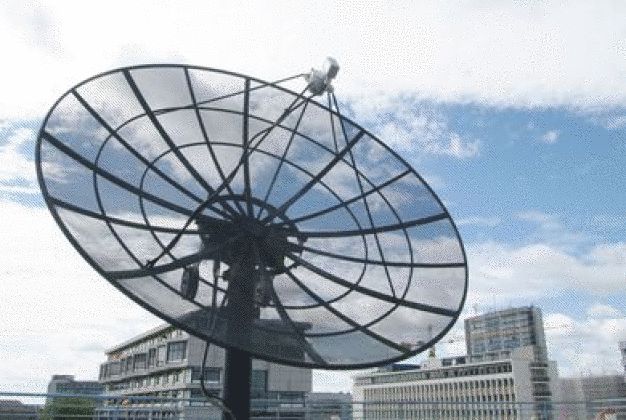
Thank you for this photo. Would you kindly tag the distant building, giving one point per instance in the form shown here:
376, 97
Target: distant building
515, 387
329, 406
506, 374
622, 349
14, 409
166, 363
591, 391
66, 384
493, 335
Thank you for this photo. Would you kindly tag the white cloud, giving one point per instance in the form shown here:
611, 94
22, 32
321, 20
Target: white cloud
550, 136
587, 346
478, 221
550, 230
544, 219
539, 269
54, 304
408, 124
600, 310
500, 54
616, 123
606, 222
17, 171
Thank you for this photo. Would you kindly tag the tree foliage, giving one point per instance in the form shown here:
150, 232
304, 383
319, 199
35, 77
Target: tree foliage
61, 408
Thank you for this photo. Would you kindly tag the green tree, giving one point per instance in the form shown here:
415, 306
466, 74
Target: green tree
61, 408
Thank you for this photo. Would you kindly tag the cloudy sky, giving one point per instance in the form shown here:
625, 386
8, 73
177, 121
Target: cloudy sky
514, 113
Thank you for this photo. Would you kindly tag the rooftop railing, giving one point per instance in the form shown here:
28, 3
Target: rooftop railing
16, 405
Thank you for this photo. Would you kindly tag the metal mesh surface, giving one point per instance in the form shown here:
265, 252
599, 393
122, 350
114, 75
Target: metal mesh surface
139, 166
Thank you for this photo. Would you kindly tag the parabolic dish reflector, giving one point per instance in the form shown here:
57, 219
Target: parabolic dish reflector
159, 174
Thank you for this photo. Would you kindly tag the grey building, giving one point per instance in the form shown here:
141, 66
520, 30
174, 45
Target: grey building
592, 392
328, 406
166, 363
14, 409
67, 384
622, 349
493, 335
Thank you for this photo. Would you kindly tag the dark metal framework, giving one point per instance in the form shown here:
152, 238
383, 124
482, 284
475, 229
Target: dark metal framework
329, 249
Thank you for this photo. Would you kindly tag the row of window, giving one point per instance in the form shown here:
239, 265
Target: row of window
424, 411
419, 397
163, 336
172, 352
409, 376
443, 388
499, 343
172, 377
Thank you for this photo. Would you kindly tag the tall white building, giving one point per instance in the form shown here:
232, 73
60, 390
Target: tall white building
166, 363
496, 333
517, 387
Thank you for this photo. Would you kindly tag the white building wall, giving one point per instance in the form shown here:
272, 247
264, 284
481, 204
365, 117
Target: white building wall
505, 393
521, 377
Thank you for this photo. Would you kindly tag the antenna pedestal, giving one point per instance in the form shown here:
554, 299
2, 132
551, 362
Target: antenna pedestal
238, 371
241, 313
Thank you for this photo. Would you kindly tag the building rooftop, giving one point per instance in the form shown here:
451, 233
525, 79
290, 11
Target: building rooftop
500, 312
145, 335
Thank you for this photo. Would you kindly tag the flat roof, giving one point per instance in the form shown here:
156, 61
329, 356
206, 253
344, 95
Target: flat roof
150, 333
503, 311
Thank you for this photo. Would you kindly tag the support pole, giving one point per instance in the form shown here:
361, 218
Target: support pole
240, 311
238, 371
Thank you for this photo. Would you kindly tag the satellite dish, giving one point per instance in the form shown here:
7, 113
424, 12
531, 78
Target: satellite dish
252, 216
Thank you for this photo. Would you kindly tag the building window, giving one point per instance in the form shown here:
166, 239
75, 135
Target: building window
152, 357
161, 353
139, 361
176, 351
211, 374
198, 394
114, 368
258, 383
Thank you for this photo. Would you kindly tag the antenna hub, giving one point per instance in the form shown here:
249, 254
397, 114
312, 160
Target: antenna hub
319, 81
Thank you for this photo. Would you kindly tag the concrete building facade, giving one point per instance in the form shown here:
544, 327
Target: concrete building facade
67, 384
506, 374
592, 393
14, 409
517, 387
166, 363
329, 406
496, 334
622, 349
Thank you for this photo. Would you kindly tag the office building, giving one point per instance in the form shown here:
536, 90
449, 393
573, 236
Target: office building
516, 387
328, 406
14, 409
587, 395
622, 349
67, 384
505, 374
166, 363
493, 335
